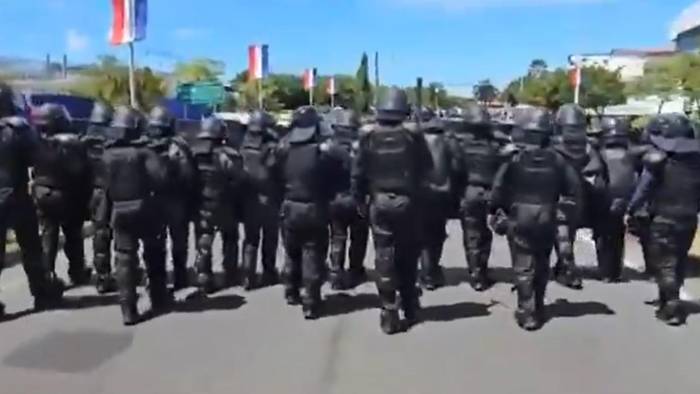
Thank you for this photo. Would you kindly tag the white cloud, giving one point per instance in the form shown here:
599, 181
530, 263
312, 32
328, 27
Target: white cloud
465, 4
188, 33
76, 41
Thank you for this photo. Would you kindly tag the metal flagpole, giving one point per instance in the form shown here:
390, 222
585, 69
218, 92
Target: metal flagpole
132, 77
332, 100
311, 94
260, 94
577, 91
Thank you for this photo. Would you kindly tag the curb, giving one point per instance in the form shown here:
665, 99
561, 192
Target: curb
12, 251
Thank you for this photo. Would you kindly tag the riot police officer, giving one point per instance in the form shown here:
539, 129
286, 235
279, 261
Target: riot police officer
622, 167
308, 169
345, 218
437, 199
177, 197
390, 166
572, 144
95, 138
481, 158
135, 177
671, 186
18, 144
62, 188
524, 201
261, 201
220, 174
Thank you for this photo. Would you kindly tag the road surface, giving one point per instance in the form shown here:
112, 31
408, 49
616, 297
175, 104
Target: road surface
603, 339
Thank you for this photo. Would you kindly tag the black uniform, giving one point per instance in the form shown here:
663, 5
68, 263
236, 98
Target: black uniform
96, 137
177, 198
135, 176
622, 166
17, 148
525, 195
573, 145
671, 187
345, 217
480, 156
261, 201
308, 169
219, 176
389, 168
436, 202
62, 188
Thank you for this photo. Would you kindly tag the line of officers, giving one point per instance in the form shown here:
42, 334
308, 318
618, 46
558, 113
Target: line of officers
535, 178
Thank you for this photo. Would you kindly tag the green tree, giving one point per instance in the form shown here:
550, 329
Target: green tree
537, 68
108, 81
601, 88
363, 92
658, 80
199, 70
485, 92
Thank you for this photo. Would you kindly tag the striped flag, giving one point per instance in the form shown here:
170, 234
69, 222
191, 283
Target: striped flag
129, 21
330, 87
258, 62
309, 78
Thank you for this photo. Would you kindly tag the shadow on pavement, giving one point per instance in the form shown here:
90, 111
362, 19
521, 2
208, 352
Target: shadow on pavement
8, 317
344, 303
562, 308
452, 312
203, 304
88, 301
455, 276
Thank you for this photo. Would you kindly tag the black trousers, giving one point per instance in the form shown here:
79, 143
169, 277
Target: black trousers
19, 213
476, 235
395, 235
100, 211
669, 241
347, 223
177, 225
304, 227
610, 246
434, 214
261, 225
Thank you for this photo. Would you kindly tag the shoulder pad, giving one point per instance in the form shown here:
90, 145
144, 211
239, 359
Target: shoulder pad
654, 159
66, 137
366, 129
16, 122
509, 149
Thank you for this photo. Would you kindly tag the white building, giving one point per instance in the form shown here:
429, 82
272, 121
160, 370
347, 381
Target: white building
629, 62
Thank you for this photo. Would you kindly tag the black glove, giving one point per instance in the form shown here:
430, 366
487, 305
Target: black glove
499, 223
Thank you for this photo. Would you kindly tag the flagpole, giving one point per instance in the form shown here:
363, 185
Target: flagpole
311, 95
332, 100
577, 91
132, 77
260, 94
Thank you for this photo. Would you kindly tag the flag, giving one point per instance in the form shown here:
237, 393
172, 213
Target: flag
309, 78
330, 88
258, 62
575, 76
129, 21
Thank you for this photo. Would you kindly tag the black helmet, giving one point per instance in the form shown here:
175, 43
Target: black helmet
127, 123
476, 115
212, 128
101, 114
51, 118
614, 131
426, 114
345, 118
673, 133
571, 117
533, 126
393, 106
160, 122
260, 121
305, 125
7, 103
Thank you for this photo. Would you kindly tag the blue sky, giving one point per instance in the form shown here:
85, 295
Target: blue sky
457, 42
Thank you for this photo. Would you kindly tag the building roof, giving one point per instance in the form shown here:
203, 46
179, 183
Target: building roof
689, 19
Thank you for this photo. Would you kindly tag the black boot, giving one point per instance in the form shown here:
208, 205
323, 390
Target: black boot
479, 280
80, 276
292, 296
270, 277
672, 313
337, 280
311, 301
161, 299
528, 320
568, 277
105, 284
250, 256
389, 321
50, 294
130, 313
180, 274
205, 282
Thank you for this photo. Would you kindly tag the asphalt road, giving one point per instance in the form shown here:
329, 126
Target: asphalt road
603, 339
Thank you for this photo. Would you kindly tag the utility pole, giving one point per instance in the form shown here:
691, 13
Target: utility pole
376, 78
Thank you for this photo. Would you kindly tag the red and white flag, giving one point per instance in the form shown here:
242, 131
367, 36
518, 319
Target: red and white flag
129, 21
309, 78
258, 62
330, 86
